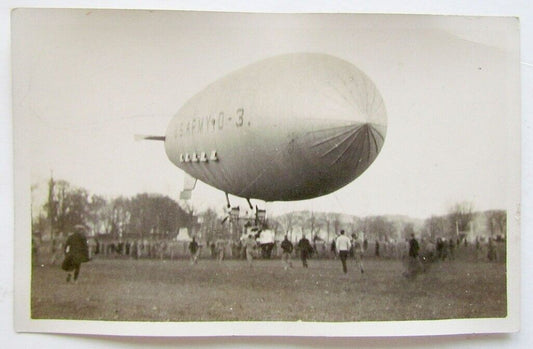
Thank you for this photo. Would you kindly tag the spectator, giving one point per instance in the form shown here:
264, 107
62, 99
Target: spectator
305, 249
194, 249
413, 264
287, 248
343, 248
357, 248
76, 252
250, 245
334, 249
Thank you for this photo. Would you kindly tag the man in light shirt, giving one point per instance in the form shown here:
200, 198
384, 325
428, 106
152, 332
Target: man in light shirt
358, 252
343, 246
250, 244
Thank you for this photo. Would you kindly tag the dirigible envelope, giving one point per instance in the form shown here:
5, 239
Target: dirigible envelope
290, 127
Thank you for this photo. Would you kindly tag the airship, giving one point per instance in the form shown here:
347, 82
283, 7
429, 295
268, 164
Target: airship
286, 128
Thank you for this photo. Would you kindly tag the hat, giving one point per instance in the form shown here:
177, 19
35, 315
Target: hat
79, 227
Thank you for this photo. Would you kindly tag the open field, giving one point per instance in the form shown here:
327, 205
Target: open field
151, 290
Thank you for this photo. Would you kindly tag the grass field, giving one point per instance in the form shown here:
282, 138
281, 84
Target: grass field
148, 290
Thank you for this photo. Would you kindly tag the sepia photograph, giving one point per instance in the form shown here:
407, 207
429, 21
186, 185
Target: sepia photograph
183, 173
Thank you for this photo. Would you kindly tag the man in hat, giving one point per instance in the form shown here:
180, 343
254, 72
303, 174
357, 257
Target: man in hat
287, 248
194, 250
305, 250
76, 252
413, 264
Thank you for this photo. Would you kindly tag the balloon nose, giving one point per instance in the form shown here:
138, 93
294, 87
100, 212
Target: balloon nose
356, 145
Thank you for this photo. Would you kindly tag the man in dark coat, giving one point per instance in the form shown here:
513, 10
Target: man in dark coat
334, 249
413, 247
76, 252
287, 248
440, 246
413, 264
305, 249
193, 249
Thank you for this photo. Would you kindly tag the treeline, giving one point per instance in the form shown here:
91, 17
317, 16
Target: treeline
460, 222
159, 216
68, 206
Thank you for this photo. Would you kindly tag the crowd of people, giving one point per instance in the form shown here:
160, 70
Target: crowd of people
77, 249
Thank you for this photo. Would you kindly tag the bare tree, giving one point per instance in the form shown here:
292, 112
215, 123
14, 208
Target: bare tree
191, 217
67, 206
355, 225
408, 229
210, 223
497, 222
312, 224
97, 213
461, 215
120, 216
381, 227
333, 224
436, 226
288, 221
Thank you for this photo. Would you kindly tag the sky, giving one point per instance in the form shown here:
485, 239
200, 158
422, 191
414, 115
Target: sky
84, 82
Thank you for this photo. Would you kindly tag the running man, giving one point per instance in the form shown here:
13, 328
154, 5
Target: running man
250, 244
305, 250
287, 248
358, 252
343, 245
193, 249
413, 263
76, 252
